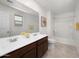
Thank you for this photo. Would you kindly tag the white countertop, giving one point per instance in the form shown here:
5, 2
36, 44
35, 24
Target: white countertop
6, 46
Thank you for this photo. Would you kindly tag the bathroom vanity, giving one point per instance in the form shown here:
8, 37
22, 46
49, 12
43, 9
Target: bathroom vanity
33, 47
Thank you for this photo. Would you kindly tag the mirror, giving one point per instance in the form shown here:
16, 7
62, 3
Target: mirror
15, 19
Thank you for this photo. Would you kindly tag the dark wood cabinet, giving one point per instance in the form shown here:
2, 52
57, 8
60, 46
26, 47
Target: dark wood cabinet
33, 50
42, 46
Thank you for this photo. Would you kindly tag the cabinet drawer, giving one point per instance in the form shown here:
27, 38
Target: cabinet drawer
42, 40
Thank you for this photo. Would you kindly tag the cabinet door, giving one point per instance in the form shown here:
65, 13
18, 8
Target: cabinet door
30, 54
42, 46
45, 46
40, 51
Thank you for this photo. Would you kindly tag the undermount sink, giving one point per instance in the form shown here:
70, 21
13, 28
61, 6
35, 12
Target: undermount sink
35, 34
13, 39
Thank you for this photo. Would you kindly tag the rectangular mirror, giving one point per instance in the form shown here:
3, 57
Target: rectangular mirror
14, 20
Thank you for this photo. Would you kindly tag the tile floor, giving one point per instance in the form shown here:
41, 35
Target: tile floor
59, 50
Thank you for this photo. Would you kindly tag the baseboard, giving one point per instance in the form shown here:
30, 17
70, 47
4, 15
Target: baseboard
64, 41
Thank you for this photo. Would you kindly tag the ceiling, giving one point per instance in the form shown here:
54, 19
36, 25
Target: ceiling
16, 5
58, 6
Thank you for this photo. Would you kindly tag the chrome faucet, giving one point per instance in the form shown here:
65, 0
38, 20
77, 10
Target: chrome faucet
9, 33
